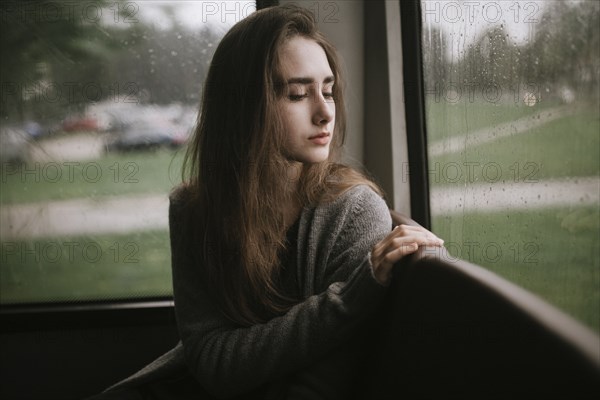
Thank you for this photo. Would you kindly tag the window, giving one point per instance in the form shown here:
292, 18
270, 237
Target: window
98, 100
512, 100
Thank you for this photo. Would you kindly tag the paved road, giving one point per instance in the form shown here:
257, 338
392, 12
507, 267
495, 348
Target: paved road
515, 196
134, 213
75, 147
84, 216
523, 125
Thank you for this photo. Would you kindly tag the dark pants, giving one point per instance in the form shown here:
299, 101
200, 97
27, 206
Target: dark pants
181, 388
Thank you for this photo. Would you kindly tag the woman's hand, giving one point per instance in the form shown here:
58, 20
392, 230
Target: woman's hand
403, 240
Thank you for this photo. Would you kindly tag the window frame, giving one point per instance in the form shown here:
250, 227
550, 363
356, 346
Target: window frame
410, 22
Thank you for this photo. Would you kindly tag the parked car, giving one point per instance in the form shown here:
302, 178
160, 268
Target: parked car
148, 135
34, 129
85, 124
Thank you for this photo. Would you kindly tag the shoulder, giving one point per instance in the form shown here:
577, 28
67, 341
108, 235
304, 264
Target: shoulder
360, 206
359, 198
183, 208
181, 194
347, 229
181, 197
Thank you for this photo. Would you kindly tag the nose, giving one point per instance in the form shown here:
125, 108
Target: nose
323, 110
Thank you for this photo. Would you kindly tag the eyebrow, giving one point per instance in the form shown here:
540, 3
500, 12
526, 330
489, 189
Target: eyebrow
306, 80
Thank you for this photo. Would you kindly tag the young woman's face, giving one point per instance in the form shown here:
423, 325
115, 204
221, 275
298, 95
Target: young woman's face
307, 103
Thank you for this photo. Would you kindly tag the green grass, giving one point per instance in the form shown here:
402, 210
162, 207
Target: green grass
568, 147
445, 119
114, 174
552, 253
98, 267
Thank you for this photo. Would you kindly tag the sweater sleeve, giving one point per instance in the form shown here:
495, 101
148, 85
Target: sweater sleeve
229, 360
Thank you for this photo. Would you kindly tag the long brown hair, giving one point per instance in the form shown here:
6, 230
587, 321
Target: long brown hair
235, 168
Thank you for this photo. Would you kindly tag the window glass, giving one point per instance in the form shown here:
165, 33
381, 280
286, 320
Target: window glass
512, 108
98, 99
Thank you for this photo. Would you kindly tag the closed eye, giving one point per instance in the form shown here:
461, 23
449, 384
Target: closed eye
297, 97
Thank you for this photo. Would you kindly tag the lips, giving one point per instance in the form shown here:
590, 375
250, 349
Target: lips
320, 139
320, 135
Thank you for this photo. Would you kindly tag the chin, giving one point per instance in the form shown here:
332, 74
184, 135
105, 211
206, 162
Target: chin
316, 157
309, 156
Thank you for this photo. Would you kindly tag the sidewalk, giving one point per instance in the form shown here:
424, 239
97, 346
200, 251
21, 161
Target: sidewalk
100, 215
114, 215
523, 125
519, 196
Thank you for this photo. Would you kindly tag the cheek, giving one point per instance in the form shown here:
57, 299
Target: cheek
291, 124
292, 116
286, 118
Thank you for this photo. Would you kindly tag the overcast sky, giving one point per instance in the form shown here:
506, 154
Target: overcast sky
194, 14
464, 21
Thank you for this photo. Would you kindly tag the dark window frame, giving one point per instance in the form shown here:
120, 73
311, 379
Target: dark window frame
414, 104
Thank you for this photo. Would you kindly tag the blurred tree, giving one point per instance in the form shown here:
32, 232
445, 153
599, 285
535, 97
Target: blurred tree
164, 65
39, 38
58, 56
435, 59
563, 54
565, 51
490, 63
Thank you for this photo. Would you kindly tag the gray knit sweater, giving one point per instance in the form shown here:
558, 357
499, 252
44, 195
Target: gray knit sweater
336, 282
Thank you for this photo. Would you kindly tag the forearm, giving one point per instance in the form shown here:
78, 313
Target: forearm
335, 260
231, 361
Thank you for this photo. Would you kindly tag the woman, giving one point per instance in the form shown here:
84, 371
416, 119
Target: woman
279, 253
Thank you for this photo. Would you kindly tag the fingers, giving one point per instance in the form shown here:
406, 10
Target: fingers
404, 234
402, 241
397, 247
402, 246
384, 262
402, 230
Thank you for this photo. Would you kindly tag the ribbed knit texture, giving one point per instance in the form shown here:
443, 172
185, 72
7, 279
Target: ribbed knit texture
336, 281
